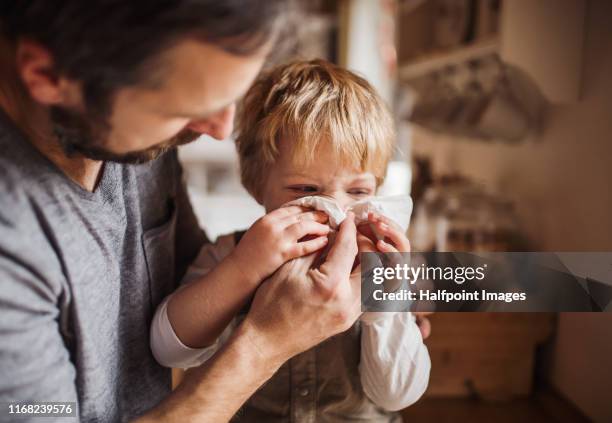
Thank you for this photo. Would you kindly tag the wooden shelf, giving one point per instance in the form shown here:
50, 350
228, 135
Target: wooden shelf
542, 38
439, 60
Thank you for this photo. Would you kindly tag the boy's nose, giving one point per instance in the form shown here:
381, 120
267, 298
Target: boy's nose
218, 126
342, 199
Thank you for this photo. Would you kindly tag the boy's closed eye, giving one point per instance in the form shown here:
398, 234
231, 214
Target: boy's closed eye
313, 189
360, 192
308, 189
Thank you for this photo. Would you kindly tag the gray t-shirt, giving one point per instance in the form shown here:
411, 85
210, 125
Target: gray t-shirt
81, 274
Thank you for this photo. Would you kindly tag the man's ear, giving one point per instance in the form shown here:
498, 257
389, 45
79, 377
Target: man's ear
36, 68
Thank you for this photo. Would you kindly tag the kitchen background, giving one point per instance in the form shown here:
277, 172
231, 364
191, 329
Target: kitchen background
504, 118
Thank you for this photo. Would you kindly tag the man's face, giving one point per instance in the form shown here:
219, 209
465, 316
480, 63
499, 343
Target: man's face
198, 85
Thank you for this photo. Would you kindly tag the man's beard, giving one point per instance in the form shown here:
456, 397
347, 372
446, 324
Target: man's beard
79, 135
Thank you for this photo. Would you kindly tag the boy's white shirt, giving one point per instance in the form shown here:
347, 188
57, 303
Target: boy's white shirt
394, 366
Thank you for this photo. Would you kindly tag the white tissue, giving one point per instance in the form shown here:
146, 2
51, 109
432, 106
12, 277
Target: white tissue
397, 208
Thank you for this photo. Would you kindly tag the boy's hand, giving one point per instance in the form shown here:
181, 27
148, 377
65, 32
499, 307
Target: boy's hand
395, 241
277, 238
423, 323
394, 238
299, 306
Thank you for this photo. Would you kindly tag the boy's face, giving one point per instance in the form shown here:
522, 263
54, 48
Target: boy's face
325, 176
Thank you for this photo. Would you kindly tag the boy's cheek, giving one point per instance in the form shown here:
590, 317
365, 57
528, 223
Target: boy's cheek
276, 200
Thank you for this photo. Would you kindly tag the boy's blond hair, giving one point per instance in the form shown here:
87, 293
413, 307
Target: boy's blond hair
308, 103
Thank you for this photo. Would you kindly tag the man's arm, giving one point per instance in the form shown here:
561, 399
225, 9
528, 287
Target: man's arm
214, 391
34, 362
295, 309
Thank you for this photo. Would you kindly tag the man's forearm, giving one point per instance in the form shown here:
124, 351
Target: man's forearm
214, 391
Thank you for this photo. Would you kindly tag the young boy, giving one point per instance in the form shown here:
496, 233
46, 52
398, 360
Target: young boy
305, 129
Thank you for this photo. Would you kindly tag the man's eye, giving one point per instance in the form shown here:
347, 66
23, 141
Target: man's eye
303, 188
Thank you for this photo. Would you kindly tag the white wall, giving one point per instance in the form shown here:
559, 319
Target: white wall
362, 23
561, 180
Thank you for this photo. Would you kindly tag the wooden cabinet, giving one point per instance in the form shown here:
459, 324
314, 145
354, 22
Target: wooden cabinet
487, 355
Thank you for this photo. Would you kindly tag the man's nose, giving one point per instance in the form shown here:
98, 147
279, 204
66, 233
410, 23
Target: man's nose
218, 126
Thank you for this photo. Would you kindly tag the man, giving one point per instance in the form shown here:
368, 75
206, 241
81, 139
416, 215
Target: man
95, 225
89, 244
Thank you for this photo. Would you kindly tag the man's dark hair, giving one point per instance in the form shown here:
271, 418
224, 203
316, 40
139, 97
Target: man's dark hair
108, 44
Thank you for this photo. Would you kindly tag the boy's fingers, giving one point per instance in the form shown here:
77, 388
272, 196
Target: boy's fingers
342, 254
394, 227
286, 211
298, 266
314, 215
388, 229
366, 230
306, 227
365, 244
376, 218
385, 247
298, 213
396, 236
310, 246
424, 326
320, 216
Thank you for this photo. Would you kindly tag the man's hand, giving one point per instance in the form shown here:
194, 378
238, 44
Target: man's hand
278, 237
298, 307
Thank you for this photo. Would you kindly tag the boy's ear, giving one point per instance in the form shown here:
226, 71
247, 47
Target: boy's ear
36, 67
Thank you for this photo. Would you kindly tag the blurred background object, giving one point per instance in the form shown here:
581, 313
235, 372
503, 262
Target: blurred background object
504, 142
456, 215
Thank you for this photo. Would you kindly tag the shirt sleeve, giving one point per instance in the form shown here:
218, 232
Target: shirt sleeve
34, 362
166, 346
395, 364
168, 349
